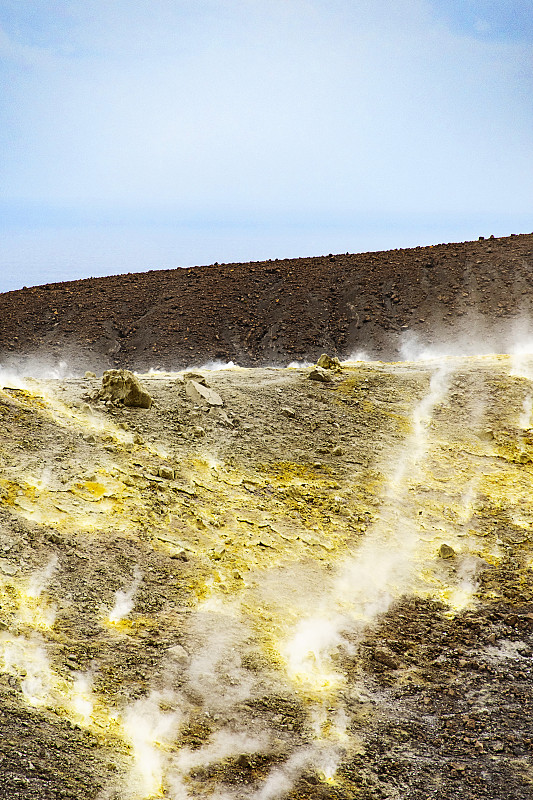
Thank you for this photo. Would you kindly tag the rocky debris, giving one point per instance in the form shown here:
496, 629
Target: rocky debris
288, 412
225, 419
202, 394
386, 657
7, 567
89, 375
274, 312
423, 684
166, 472
445, 551
453, 706
327, 362
122, 386
320, 374
179, 653
195, 376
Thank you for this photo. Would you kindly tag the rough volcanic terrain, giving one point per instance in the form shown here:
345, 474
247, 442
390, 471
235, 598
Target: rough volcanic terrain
272, 584
275, 312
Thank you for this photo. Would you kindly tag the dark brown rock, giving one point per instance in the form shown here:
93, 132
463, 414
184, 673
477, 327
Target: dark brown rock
270, 312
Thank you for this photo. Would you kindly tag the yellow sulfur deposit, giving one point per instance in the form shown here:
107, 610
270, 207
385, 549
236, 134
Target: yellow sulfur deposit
207, 590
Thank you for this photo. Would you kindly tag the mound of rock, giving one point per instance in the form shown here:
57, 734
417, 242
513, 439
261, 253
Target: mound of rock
122, 386
327, 362
320, 374
325, 366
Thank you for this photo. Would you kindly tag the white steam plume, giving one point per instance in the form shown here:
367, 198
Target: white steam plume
124, 599
381, 569
40, 579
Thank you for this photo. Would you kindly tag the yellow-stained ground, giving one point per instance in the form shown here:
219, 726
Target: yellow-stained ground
141, 608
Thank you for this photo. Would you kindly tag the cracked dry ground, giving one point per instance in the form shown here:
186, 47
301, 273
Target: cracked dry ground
276, 617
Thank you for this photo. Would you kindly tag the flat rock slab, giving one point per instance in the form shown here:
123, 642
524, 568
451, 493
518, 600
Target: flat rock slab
203, 394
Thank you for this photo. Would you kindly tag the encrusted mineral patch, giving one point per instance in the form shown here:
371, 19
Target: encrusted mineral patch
263, 607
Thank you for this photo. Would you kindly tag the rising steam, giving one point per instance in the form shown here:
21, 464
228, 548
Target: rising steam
124, 599
299, 622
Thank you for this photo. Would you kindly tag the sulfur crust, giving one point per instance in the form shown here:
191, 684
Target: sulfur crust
249, 507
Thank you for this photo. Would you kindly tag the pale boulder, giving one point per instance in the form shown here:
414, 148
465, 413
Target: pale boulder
122, 386
203, 394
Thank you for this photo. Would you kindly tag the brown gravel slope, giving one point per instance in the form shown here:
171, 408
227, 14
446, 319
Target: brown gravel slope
274, 311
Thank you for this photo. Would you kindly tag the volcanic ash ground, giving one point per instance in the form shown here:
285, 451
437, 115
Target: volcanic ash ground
268, 586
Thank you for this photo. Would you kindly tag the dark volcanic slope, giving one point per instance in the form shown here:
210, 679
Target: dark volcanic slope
274, 311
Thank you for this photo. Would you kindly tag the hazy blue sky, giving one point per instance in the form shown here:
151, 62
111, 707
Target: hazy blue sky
138, 134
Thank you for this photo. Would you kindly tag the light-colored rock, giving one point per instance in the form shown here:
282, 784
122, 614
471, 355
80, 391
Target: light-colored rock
320, 374
445, 551
122, 386
195, 376
224, 417
386, 657
327, 362
288, 412
89, 374
179, 653
166, 472
7, 567
203, 394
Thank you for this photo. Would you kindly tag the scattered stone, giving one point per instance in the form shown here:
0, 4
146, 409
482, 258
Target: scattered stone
337, 451
89, 375
320, 374
224, 417
181, 555
202, 394
166, 472
456, 768
445, 551
179, 653
7, 567
326, 362
386, 657
198, 431
288, 412
195, 376
123, 387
